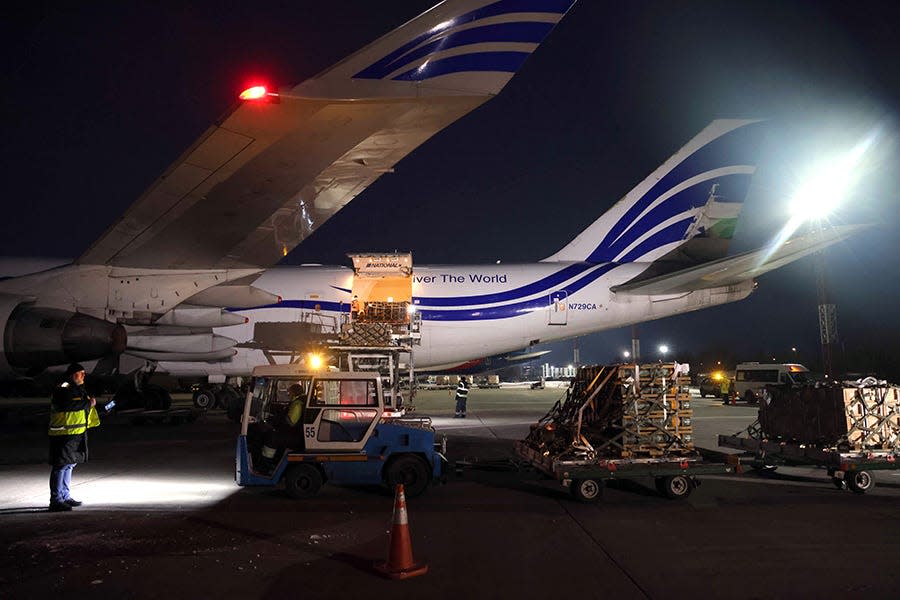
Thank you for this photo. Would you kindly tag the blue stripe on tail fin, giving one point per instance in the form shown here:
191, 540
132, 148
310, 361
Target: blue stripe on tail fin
696, 193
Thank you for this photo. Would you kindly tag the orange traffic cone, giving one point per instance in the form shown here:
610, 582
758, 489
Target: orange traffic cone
400, 563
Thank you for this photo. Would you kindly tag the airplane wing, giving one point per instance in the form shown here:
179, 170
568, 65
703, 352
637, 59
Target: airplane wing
736, 269
274, 169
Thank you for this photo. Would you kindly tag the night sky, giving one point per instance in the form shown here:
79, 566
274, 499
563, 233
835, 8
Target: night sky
99, 98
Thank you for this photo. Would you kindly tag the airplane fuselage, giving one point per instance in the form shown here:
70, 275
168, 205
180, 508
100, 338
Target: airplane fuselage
467, 312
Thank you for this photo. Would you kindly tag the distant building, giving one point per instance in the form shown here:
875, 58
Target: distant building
548, 371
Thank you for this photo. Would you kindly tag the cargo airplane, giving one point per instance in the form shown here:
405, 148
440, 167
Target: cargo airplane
264, 178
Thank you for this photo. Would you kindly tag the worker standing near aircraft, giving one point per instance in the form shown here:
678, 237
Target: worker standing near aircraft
462, 394
72, 413
725, 390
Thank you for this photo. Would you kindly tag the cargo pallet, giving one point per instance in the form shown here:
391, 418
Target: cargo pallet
675, 476
850, 469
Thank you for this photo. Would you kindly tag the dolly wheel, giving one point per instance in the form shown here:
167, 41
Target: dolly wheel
860, 482
302, 481
587, 490
675, 486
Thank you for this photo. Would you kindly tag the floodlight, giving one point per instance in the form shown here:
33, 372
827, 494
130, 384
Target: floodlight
827, 185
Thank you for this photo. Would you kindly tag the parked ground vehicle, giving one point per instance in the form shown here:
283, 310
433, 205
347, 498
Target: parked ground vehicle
750, 379
347, 437
710, 386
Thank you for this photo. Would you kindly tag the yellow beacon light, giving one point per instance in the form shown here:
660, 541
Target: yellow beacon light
314, 360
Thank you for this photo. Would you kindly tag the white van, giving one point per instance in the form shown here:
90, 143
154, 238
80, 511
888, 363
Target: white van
750, 378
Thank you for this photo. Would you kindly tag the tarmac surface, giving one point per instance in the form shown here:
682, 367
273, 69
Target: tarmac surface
163, 518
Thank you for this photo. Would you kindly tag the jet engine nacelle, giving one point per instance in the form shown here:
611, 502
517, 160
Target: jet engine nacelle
35, 337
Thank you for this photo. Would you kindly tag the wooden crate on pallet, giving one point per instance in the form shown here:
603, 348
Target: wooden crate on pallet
854, 417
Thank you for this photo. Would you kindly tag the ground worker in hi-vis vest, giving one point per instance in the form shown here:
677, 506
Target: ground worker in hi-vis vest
725, 390
462, 394
72, 413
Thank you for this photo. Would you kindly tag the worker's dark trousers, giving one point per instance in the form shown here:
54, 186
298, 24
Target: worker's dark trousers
460, 405
60, 480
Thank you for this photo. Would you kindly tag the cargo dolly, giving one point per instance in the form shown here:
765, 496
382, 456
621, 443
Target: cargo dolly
848, 468
675, 477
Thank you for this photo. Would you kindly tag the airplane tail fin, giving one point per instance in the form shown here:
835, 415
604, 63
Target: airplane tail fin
458, 47
685, 212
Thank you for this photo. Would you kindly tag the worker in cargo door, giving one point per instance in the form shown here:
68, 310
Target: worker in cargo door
462, 394
354, 308
288, 432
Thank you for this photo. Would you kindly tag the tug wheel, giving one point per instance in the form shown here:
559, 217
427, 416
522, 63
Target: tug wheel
409, 470
302, 481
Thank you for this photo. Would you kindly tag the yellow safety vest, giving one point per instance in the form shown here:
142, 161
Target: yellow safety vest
295, 411
72, 422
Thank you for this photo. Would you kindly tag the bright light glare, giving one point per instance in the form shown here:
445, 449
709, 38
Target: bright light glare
626, 354
824, 189
117, 491
314, 361
663, 349
828, 184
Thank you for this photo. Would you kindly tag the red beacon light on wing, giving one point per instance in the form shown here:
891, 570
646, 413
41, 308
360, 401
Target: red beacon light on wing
257, 92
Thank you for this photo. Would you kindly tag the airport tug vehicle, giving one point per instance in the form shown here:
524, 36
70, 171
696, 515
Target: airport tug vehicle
622, 422
348, 436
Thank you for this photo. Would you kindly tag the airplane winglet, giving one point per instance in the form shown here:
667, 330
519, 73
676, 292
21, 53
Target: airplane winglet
458, 47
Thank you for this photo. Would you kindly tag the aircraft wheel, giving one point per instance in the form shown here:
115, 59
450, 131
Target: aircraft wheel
302, 481
411, 471
675, 486
204, 399
860, 482
587, 490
